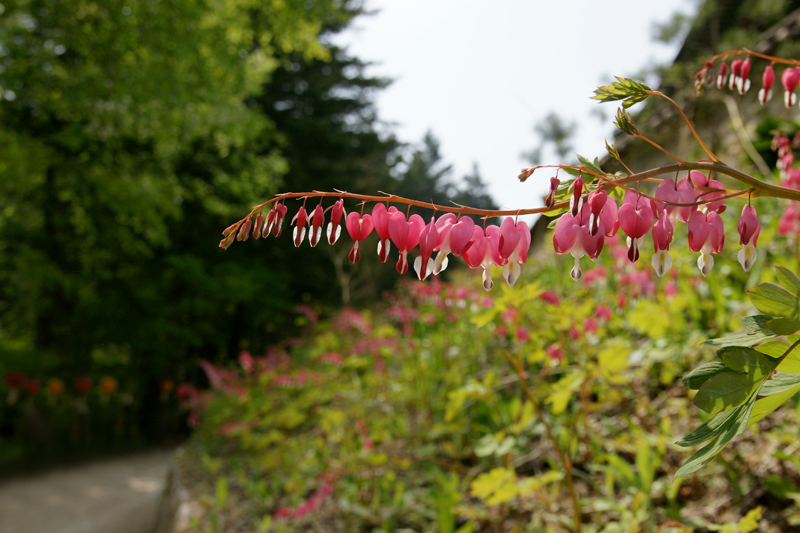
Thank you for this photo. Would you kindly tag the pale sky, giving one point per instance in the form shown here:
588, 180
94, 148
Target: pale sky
480, 74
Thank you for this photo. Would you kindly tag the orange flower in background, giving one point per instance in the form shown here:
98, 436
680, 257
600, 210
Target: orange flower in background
55, 386
108, 385
83, 385
167, 386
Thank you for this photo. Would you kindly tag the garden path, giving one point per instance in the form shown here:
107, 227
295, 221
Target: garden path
118, 495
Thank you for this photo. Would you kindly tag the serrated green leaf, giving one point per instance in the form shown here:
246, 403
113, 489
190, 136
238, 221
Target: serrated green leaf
765, 406
784, 326
707, 430
725, 391
774, 300
733, 426
788, 280
699, 375
779, 383
744, 339
755, 322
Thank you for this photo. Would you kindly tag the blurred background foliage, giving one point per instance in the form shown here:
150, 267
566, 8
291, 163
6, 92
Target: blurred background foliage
131, 133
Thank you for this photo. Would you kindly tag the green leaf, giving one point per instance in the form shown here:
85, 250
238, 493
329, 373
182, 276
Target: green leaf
774, 349
707, 430
748, 360
765, 406
744, 339
622, 89
699, 375
733, 426
791, 363
788, 280
779, 383
755, 322
774, 300
784, 326
725, 391
592, 166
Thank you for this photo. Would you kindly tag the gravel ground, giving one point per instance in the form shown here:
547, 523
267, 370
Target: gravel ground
112, 496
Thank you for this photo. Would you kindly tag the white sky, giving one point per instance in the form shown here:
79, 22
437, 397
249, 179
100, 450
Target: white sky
480, 74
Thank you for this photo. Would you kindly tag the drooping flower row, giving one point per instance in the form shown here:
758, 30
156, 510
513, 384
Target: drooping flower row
504, 246
594, 216
738, 78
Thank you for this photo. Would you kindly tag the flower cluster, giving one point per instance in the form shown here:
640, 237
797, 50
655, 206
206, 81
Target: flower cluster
594, 216
738, 78
790, 177
504, 246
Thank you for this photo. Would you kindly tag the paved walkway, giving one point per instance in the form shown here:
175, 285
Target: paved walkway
111, 496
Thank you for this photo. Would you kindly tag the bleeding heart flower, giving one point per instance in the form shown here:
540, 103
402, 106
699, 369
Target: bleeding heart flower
743, 80
405, 235
707, 236
722, 78
572, 236
454, 237
428, 239
749, 227
299, 232
359, 229
316, 221
662, 237
768, 79
484, 253
682, 193
512, 269
335, 225
790, 79
635, 218
380, 217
